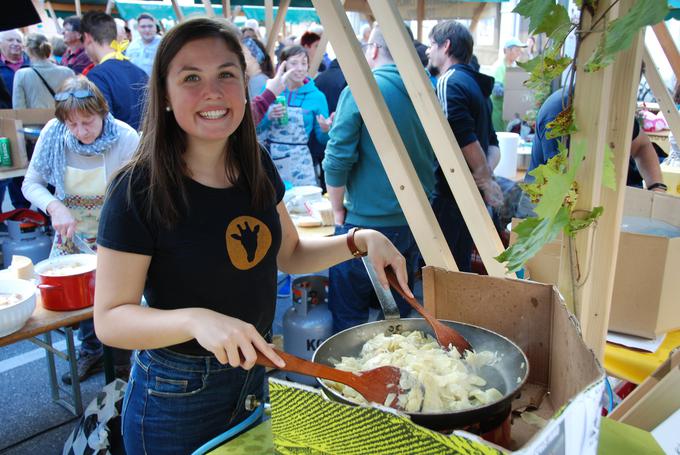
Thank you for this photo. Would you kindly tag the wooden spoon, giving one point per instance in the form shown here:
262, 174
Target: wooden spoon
375, 385
446, 336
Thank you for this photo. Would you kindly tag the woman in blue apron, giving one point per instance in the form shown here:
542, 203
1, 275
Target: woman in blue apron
286, 129
77, 153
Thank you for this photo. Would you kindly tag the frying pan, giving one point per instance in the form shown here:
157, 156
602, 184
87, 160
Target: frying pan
507, 375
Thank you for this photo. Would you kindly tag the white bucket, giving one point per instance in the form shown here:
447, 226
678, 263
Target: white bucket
508, 143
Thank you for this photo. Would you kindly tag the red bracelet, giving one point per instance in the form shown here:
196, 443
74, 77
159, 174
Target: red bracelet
356, 252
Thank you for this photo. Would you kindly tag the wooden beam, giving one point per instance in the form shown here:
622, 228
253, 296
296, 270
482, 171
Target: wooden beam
268, 17
318, 56
440, 136
669, 47
278, 24
53, 15
209, 10
383, 131
663, 97
591, 106
109, 6
476, 16
178, 11
78, 10
621, 112
421, 17
226, 9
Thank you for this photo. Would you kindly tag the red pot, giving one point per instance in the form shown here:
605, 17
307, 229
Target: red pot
64, 289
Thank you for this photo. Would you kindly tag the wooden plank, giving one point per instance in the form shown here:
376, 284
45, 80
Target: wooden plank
43, 320
278, 24
53, 15
318, 56
440, 135
476, 16
669, 47
109, 6
657, 405
591, 106
78, 10
663, 97
178, 11
621, 111
268, 16
209, 10
382, 129
226, 8
421, 17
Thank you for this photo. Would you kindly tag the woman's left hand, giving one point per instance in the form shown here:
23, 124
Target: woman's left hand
383, 254
325, 123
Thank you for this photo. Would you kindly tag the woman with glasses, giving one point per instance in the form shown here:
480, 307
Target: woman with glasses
286, 128
77, 153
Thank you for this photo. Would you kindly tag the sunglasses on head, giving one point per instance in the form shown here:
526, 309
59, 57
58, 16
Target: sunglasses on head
79, 94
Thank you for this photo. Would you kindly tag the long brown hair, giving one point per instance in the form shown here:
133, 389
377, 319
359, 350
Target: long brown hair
163, 142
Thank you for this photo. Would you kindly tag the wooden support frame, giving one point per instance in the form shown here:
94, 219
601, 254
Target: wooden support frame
79, 12
178, 11
53, 15
591, 104
318, 56
441, 137
210, 11
109, 6
276, 27
476, 16
226, 9
669, 47
663, 97
268, 17
421, 18
389, 145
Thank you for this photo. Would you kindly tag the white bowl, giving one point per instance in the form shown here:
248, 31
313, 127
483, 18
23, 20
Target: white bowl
13, 317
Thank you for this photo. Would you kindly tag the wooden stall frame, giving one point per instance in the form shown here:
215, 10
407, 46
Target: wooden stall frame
277, 26
209, 10
226, 9
178, 11
269, 17
660, 92
441, 137
391, 150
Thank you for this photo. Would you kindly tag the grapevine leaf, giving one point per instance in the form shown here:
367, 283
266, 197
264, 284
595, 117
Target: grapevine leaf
609, 171
532, 234
576, 225
621, 31
556, 24
562, 125
542, 70
538, 12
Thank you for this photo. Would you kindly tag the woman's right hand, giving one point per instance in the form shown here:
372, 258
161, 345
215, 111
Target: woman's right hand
226, 337
62, 220
275, 112
277, 84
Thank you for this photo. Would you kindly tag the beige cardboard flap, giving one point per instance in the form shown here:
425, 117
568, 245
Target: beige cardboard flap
29, 116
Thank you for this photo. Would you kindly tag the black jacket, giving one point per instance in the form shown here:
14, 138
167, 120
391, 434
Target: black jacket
464, 96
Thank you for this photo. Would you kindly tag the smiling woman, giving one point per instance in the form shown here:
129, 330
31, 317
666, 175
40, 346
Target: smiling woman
196, 222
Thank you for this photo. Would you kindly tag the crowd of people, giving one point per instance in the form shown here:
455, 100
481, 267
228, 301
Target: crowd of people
195, 134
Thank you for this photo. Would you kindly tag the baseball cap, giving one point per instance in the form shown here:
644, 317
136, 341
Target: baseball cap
514, 42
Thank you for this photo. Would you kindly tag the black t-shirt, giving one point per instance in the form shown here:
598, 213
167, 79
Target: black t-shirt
220, 256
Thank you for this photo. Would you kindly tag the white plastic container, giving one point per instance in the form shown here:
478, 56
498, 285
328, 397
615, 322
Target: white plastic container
508, 143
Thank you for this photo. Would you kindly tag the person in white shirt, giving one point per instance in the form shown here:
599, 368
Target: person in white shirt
141, 52
77, 153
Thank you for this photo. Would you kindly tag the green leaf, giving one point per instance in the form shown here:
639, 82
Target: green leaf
536, 10
532, 234
576, 224
620, 32
563, 125
609, 171
556, 24
542, 71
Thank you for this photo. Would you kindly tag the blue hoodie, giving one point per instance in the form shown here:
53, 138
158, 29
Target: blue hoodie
352, 160
312, 102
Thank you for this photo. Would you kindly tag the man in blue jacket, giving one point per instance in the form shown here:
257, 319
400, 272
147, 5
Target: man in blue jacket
358, 187
464, 96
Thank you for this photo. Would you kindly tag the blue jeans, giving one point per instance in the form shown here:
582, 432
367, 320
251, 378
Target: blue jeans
89, 343
174, 403
15, 194
350, 292
455, 230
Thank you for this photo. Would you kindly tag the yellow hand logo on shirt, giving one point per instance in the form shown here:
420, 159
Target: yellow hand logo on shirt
248, 240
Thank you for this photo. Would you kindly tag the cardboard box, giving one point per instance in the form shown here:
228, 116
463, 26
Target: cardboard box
565, 382
646, 299
12, 122
517, 98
